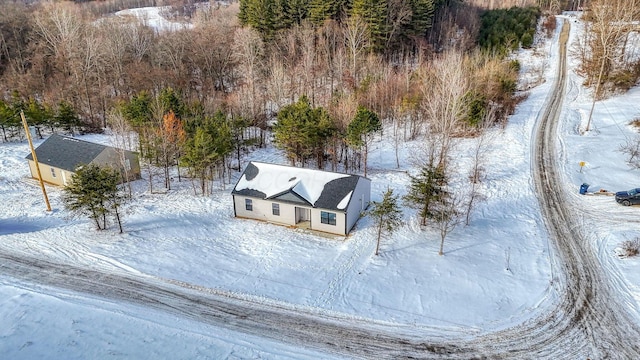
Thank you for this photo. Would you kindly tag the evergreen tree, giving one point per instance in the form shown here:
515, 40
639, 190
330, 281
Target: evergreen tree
360, 129
10, 116
67, 117
263, 15
374, 14
5, 119
386, 215
93, 191
209, 143
303, 131
170, 100
39, 115
321, 10
422, 17
426, 190
138, 110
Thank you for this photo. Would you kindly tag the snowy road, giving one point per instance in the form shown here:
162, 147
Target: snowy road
588, 321
593, 311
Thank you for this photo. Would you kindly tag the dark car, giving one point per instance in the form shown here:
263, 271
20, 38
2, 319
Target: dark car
630, 197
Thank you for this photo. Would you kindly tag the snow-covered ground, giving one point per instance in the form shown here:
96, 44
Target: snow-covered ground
152, 17
496, 272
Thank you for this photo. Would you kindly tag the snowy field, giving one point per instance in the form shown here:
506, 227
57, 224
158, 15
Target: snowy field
495, 273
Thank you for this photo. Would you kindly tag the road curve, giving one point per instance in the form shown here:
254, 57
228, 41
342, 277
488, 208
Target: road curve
588, 321
590, 302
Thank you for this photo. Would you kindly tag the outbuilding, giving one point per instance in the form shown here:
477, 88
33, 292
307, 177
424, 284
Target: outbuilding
59, 157
318, 200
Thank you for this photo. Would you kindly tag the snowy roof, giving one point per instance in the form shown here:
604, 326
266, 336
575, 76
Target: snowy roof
316, 188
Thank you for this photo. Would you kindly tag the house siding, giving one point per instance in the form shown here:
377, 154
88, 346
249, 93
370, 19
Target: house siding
359, 202
45, 170
329, 192
338, 228
262, 210
109, 157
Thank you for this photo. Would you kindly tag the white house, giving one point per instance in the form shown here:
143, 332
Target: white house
314, 199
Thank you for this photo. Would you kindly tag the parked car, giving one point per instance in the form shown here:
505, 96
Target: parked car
629, 197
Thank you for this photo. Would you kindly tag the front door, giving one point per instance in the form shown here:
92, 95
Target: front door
302, 214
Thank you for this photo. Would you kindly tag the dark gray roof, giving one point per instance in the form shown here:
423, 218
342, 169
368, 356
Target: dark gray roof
66, 153
295, 183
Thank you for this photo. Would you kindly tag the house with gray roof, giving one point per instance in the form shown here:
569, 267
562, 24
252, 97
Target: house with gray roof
314, 199
59, 157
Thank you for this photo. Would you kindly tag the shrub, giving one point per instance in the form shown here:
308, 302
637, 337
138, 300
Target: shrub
630, 247
527, 40
623, 79
549, 25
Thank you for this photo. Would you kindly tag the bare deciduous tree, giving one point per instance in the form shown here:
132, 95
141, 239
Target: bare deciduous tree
356, 39
632, 149
446, 218
248, 50
477, 170
444, 86
122, 140
611, 21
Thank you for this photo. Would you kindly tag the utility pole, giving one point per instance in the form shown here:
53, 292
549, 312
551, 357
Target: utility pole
35, 160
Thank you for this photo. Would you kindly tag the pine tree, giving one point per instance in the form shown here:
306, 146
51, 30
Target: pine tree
10, 114
138, 110
262, 15
422, 17
303, 131
360, 129
38, 115
374, 14
93, 191
170, 100
320, 10
426, 190
386, 215
208, 144
67, 117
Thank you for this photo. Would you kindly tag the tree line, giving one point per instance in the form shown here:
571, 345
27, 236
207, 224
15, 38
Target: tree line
390, 24
198, 97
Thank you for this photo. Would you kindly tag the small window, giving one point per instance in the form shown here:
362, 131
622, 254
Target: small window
53, 172
248, 204
275, 209
127, 164
327, 218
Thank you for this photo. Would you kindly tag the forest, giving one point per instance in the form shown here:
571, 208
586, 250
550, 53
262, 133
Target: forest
317, 79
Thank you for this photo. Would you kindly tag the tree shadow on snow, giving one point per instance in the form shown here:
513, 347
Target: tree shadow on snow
19, 226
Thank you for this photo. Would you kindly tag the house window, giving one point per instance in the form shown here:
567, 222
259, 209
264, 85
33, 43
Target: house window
275, 209
53, 172
127, 164
327, 218
248, 204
